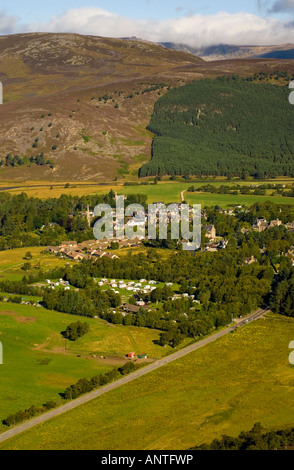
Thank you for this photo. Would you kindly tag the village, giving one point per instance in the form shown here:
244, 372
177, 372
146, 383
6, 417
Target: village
94, 249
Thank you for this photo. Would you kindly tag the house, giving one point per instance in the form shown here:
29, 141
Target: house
111, 255
99, 254
52, 249
250, 260
68, 244
210, 232
74, 255
91, 251
211, 247
131, 355
260, 225
275, 223
131, 308
88, 243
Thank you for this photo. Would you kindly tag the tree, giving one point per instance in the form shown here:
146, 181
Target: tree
76, 330
26, 266
28, 255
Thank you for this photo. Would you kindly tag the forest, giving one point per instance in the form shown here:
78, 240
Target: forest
29, 221
222, 127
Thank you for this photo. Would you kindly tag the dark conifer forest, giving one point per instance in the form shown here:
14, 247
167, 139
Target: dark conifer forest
229, 126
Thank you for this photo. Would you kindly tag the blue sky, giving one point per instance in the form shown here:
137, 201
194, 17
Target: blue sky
36, 10
195, 22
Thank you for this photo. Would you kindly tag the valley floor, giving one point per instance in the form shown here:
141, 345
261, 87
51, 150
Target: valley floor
223, 388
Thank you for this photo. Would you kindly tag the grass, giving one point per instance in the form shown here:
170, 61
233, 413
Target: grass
11, 261
165, 191
225, 200
169, 192
130, 143
38, 362
224, 387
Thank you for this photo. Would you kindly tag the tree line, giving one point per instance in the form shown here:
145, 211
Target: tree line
255, 439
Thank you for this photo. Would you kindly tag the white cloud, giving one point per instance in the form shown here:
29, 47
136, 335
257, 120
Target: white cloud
8, 24
196, 30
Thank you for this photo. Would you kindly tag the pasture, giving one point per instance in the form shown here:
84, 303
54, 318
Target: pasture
222, 388
39, 363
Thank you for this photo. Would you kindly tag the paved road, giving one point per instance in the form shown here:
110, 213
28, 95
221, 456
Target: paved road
129, 378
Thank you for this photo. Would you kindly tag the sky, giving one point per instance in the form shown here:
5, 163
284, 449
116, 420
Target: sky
194, 22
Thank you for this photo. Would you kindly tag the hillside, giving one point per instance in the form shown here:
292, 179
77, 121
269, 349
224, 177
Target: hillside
52, 84
76, 107
229, 126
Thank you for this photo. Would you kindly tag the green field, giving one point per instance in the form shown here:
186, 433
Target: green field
169, 192
164, 191
38, 362
224, 387
11, 261
225, 200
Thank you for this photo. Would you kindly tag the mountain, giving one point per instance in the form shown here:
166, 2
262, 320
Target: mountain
82, 101
76, 107
225, 51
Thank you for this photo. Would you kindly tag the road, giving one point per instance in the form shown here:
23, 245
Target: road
182, 195
129, 378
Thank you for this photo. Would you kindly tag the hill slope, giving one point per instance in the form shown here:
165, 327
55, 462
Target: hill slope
224, 127
82, 103
52, 84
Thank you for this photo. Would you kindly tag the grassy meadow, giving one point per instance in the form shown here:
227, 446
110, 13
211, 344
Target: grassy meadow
223, 388
38, 362
11, 261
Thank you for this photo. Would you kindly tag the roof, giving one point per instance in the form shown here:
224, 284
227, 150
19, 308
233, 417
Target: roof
131, 308
111, 255
99, 253
208, 228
